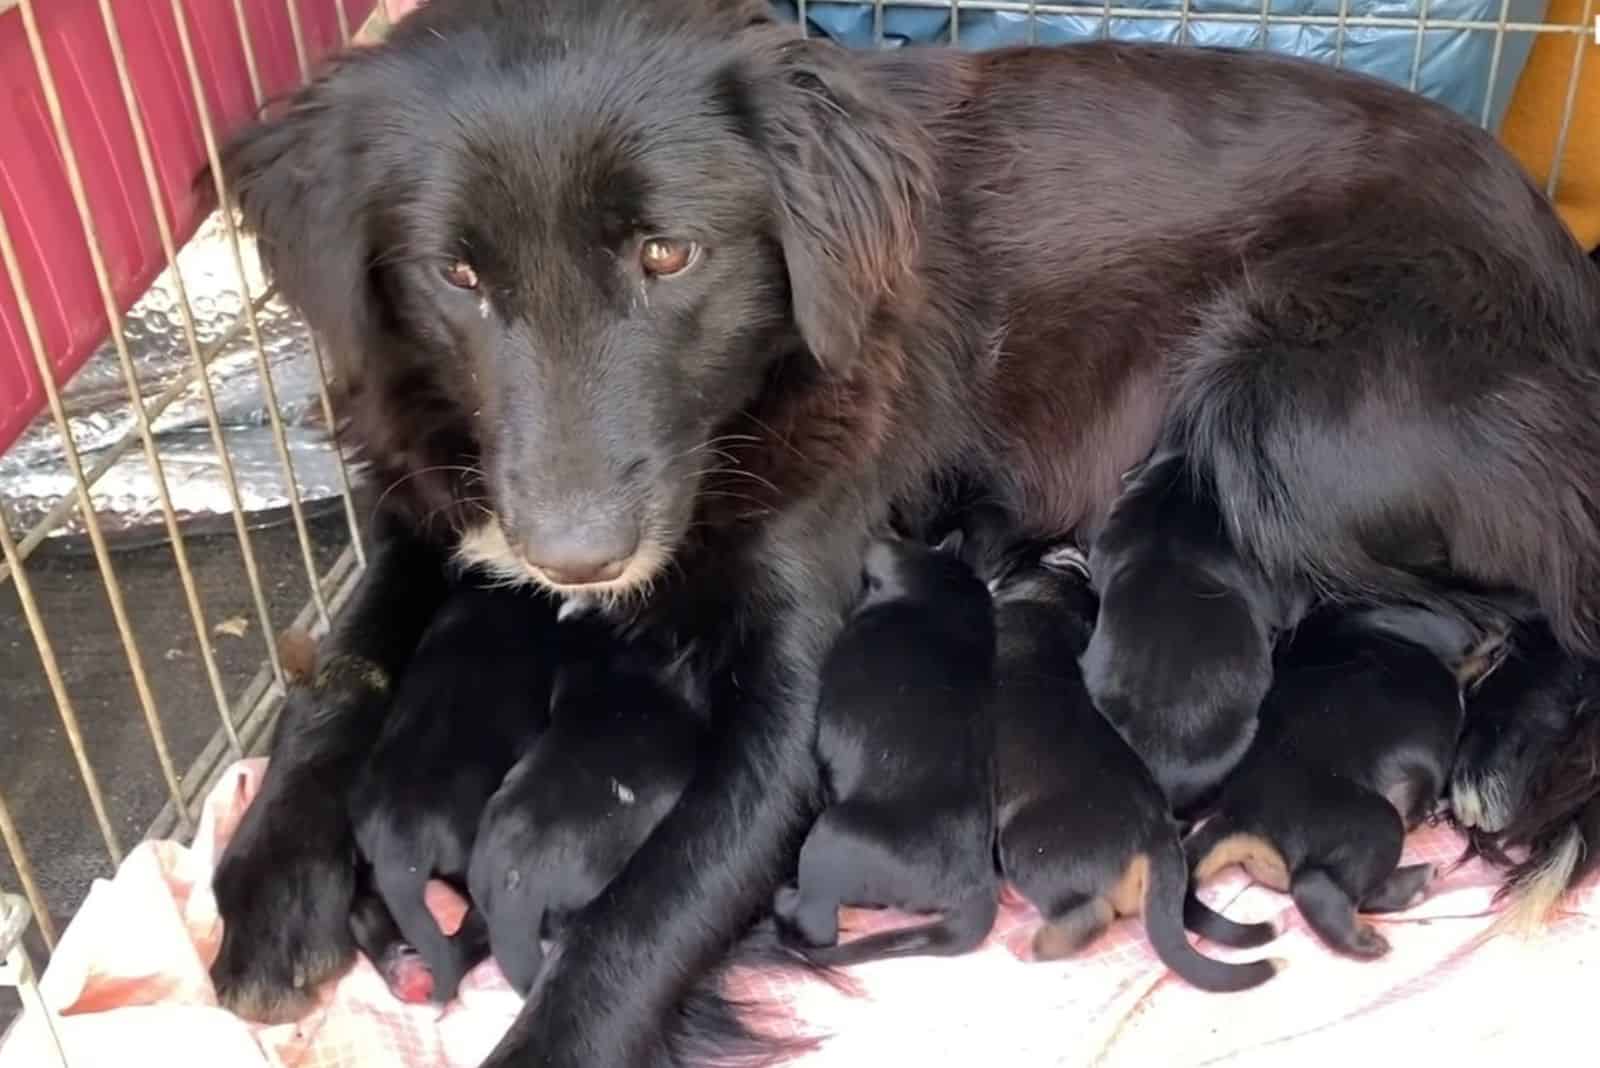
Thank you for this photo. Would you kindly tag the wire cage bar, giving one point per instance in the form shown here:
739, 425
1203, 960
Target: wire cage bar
297, 567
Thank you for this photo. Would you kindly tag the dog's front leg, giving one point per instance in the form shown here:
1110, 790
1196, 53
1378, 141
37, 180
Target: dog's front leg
286, 880
609, 996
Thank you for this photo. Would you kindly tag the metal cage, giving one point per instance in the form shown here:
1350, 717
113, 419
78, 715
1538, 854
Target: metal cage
155, 539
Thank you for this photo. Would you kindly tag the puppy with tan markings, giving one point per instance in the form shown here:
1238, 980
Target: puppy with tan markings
907, 755
1356, 739
1084, 832
1181, 655
473, 695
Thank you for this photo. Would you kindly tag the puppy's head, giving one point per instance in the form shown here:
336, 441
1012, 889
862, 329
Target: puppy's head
592, 232
897, 570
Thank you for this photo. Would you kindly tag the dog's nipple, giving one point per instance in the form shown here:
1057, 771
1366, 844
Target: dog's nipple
624, 794
513, 877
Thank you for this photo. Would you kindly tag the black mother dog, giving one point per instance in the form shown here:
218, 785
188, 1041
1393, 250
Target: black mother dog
687, 301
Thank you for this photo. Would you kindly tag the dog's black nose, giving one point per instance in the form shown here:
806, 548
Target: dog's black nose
581, 553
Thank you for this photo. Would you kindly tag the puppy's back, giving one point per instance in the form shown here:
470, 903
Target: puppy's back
903, 688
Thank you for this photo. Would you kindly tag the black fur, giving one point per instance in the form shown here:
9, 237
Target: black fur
1181, 654
621, 746
907, 755
1349, 308
286, 882
1518, 718
380, 940
1356, 739
474, 694
1523, 785
1084, 830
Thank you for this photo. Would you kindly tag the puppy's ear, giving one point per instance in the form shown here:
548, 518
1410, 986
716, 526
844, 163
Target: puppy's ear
852, 174
296, 179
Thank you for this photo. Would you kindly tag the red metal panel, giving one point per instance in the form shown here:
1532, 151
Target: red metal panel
34, 198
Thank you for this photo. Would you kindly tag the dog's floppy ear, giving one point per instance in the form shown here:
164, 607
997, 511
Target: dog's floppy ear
296, 178
852, 174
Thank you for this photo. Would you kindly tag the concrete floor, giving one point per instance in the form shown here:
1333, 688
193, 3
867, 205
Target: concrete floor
37, 771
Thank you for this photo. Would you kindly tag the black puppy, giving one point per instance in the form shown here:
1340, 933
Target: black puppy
623, 741
473, 695
907, 757
1084, 832
1181, 656
1356, 740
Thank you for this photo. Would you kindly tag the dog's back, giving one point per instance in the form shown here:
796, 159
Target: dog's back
1181, 655
900, 711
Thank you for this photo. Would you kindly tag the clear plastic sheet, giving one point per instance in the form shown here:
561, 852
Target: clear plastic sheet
34, 474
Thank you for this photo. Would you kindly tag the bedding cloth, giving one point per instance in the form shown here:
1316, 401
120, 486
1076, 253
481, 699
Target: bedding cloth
128, 984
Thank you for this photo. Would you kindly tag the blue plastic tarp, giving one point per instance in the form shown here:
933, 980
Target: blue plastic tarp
1452, 67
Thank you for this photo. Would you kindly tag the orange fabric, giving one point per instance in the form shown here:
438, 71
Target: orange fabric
1532, 123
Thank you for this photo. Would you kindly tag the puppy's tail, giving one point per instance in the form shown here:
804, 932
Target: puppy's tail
1165, 894
961, 929
1208, 923
713, 1030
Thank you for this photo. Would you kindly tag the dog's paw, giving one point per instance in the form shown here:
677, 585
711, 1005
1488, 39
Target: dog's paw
282, 938
1368, 944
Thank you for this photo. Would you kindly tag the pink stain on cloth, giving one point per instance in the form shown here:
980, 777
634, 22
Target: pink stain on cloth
129, 984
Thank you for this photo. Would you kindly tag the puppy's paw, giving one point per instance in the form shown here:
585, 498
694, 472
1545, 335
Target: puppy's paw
1368, 944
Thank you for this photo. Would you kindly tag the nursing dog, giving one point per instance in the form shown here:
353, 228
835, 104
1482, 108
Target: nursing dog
475, 692
907, 755
661, 303
1356, 740
1084, 831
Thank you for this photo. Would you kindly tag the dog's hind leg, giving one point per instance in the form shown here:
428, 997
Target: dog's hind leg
849, 858
1076, 923
1331, 913
1404, 888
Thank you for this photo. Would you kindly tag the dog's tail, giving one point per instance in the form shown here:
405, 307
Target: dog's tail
1166, 892
1208, 923
960, 930
1557, 861
713, 1030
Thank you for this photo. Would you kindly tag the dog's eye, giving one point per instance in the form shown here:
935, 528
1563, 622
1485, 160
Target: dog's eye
461, 275
663, 257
